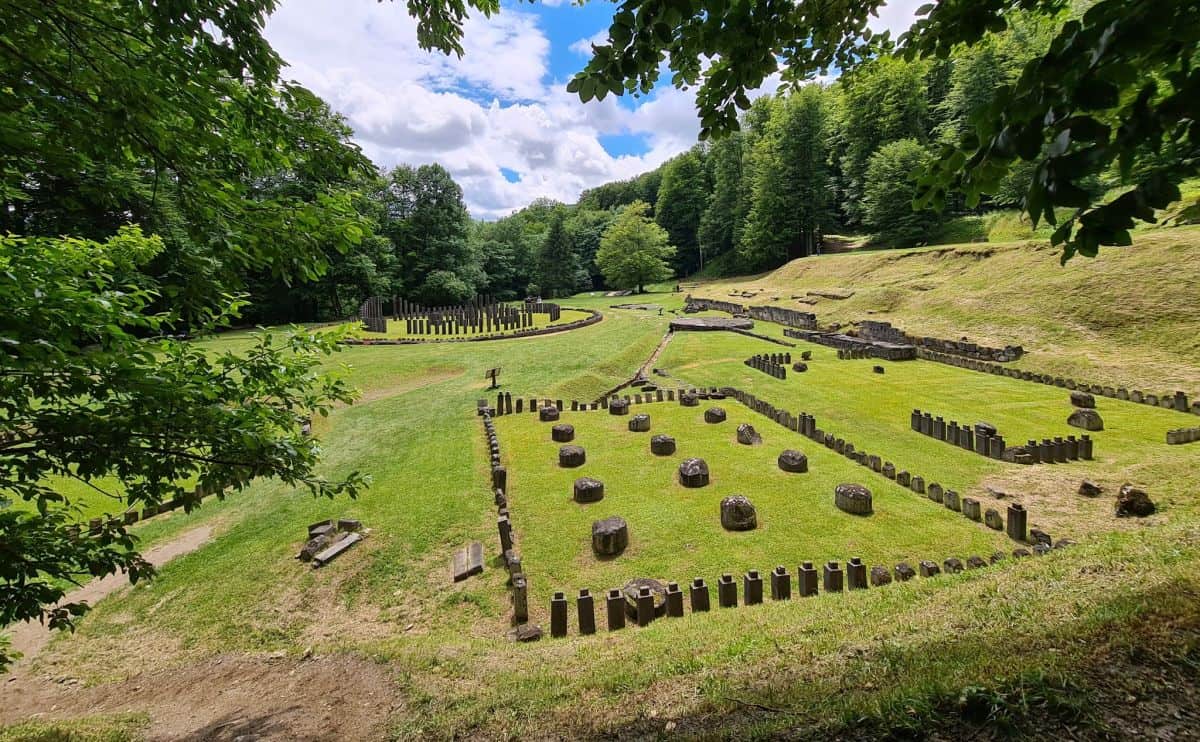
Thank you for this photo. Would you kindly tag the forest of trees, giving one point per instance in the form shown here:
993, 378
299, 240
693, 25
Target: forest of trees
837, 158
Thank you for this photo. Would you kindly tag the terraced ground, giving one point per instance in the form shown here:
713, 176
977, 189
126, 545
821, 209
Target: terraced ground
237, 638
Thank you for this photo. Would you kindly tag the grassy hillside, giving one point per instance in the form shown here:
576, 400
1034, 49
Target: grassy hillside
1127, 318
1027, 645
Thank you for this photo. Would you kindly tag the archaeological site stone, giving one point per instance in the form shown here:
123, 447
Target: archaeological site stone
548, 414
662, 445
693, 473
640, 423
1086, 419
793, 461
562, 433
618, 407
1133, 501
1090, 489
588, 490
738, 514
1083, 399
714, 415
993, 519
747, 435
570, 457
610, 536
645, 599
880, 576
852, 498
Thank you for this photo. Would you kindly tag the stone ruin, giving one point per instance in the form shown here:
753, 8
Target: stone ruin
714, 415
328, 538
662, 445
793, 461
985, 440
850, 347
562, 433
771, 364
853, 498
587, 489
570, 457
747, 435
875, 331
610, 536
738, 514
778, 315
639, 423
693, 473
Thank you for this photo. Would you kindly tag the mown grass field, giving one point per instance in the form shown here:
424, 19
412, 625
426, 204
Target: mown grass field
862, 663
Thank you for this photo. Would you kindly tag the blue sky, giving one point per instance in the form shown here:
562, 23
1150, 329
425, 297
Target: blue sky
499, 119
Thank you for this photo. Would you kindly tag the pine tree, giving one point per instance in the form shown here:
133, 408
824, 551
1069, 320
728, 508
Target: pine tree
558, 265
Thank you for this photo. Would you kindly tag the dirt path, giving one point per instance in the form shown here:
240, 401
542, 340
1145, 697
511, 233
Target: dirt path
640, 374
29, 638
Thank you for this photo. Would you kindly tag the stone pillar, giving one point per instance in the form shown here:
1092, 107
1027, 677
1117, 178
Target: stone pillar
500, 478
645, 606
781, 584
972, 509
586, 605
856, 574
558, 615
806, 580
615, 604
752, 587
1085, 447
674, 600
834, 577
520, 598
996, 447
698, 592
726, 591
1017, 519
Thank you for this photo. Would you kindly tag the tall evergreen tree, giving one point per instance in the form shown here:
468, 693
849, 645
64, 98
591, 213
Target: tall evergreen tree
791, 189
558, 265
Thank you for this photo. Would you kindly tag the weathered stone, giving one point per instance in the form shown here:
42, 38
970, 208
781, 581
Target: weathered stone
693, 473
1090, 489
971, 508
610, 536
799, 367
526, 632
738, 514
714, 415
951, 500
985, 429
935, 492
953, 565
1038, 536
793, 461
618, 407
570, 457
662, 445
1020, 552
639, 423
689, 399
928, 568
588, 490
993, 519
1086, 419
904, 572
634, 592
880, 576
562, 433
877, 369
852, 498
1083, 400
1133, 501
548, 414
747, 435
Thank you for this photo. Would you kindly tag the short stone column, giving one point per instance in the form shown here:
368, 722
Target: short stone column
856, 574
1018, 518
752, 587
834, 577
726, 591
674, 600
558, 615
698, 594
645, 606
586, 606
781, 584
806, 580
615, 604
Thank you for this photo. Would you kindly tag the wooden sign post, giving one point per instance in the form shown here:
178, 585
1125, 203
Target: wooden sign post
493, 374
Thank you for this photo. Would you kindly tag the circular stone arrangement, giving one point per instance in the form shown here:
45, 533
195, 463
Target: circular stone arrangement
570, 457
738, 514
640, 423
562, 433
588, 490
714, 415
793, 461
662, 445
610, 536
634, 587
548, 414
693, 473
618, 407
853, 498
747, 435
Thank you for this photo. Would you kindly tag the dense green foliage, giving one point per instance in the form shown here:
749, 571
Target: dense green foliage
634, 250
890, 187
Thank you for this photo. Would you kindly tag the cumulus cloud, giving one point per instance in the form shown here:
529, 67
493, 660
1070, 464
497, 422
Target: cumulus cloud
497, 108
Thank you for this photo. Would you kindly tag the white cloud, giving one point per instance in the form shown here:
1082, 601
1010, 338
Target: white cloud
896, 16
583, 47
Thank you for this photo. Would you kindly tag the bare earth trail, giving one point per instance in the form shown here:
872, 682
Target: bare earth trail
221, 698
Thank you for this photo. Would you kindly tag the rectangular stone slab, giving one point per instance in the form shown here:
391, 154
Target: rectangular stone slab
326, 556
467, 561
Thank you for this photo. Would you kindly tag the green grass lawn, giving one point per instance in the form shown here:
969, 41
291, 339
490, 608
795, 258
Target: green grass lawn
675, 532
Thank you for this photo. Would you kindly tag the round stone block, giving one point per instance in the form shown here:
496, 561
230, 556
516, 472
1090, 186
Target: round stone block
738, 514
852, 498
747, 435
662, 445
610, 536
799, 367
570, 457
634, 587
548, 414
689, 399
1086, 419
640, 423
618, 407
693, 473
562, 433
1083, 399
714, 415
588, 490
793, 461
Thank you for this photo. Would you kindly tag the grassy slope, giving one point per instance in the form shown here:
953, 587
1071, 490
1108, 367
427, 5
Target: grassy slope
883, 653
